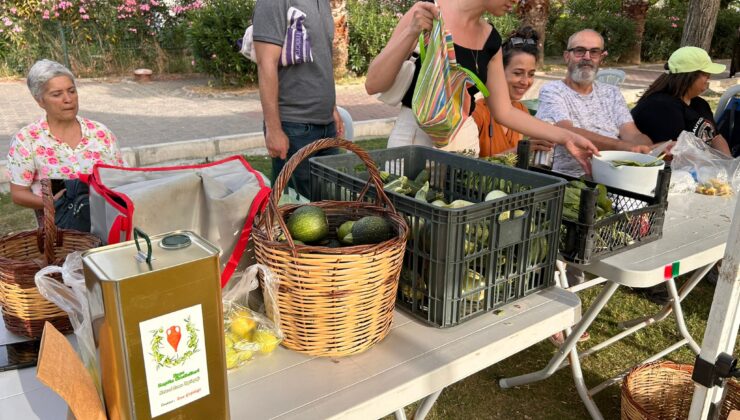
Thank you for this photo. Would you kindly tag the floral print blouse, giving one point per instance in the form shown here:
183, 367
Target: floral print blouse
35, 153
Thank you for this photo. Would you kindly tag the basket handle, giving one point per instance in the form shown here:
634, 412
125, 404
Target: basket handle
48, 234
282, 180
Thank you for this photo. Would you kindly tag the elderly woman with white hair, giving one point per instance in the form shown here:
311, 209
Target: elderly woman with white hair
60, 145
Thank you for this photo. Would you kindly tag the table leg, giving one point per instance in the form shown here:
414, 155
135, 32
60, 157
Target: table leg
569, 344
400, 414
632, 326
426, 405
583, 392
560, 274
587, 284
676, 301
668, 308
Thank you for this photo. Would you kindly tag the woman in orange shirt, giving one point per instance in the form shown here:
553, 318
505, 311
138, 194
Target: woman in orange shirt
520, 62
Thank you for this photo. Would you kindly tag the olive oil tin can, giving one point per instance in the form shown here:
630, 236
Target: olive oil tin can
159, 327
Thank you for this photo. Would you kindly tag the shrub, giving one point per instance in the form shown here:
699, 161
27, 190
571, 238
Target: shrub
663, 29
725, 34
504, 24
213, 35
371, 23
99, 36
618, 33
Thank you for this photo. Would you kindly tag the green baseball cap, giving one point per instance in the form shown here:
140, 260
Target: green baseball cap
690, 59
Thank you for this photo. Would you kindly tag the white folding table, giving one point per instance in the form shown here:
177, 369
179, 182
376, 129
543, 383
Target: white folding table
694, 238
413, 362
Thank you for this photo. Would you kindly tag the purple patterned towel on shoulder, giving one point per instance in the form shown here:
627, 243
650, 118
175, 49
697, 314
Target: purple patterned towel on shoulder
297, 44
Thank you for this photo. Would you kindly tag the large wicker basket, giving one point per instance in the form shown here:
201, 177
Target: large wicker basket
21, 256
663, 391
332, 301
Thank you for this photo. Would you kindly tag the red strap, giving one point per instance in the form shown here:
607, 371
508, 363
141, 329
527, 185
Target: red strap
258, 205
85, 178
118, 226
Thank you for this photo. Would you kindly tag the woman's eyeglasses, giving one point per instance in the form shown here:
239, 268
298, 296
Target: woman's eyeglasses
517, 42
579, 52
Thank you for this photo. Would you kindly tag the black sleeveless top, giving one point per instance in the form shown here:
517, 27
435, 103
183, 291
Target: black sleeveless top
466, 58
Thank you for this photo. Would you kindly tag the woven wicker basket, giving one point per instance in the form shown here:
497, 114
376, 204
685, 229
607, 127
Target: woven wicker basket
21, 256
663, 391
332, 301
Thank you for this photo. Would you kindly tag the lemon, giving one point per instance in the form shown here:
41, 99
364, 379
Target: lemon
228, 341
245, 355
266, 340
232, 358
242, 325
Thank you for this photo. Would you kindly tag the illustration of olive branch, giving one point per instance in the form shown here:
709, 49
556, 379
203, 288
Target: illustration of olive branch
170, 361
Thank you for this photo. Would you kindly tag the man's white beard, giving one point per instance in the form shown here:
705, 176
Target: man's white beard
584, 75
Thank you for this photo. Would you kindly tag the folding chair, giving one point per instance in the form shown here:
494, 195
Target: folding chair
730, 93
611, 76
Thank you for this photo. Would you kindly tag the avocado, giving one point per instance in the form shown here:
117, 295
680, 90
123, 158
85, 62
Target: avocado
371, 230
344, 229
308, 224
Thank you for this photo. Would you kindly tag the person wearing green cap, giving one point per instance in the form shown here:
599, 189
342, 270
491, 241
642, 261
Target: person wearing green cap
672, 104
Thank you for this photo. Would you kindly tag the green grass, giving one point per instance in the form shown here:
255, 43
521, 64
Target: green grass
479, 396
14, 218
263, 163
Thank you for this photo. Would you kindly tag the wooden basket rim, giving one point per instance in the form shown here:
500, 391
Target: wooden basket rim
648, 368
399, 223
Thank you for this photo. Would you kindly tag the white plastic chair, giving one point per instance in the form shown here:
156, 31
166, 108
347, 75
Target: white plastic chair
611, 76
349, 129
725, 99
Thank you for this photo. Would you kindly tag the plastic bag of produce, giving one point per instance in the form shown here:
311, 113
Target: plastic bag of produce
715, 173
248, 332
72, 297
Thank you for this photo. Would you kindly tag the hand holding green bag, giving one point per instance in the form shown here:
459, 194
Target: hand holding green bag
441, 100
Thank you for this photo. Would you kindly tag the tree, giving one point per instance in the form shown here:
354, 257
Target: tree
535, 14
637, 11
700, 21
341, 37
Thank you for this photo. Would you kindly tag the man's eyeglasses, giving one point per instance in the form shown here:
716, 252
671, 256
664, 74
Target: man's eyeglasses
517, 42
579, 52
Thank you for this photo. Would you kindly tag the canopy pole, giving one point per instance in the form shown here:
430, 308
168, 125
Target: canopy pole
723, 322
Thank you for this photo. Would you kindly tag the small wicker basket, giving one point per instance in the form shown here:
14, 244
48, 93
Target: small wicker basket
22, 255
332, 301
663, 391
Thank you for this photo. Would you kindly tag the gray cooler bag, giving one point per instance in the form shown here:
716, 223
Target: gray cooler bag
217, 200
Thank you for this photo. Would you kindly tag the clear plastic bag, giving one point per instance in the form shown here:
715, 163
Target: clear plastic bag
291, 196
682, 182
72, 298
248, 332
708, 167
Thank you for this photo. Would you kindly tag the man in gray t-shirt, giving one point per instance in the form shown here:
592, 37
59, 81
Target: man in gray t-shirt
595, 110
293, 43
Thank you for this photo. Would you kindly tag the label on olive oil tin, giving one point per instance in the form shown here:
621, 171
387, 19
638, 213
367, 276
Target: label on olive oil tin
174, 359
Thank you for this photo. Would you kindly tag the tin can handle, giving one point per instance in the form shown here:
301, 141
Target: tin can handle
138, 232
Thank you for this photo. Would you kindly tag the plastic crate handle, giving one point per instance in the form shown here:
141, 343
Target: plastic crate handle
273, 215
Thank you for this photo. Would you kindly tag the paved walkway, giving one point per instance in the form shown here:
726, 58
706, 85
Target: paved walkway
165, 111
175, 110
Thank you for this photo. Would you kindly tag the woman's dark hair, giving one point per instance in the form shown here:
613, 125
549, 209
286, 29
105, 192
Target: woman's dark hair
674, 84
522, 40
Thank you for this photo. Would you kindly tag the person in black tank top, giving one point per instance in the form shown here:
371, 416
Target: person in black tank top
473, 60
484, 59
